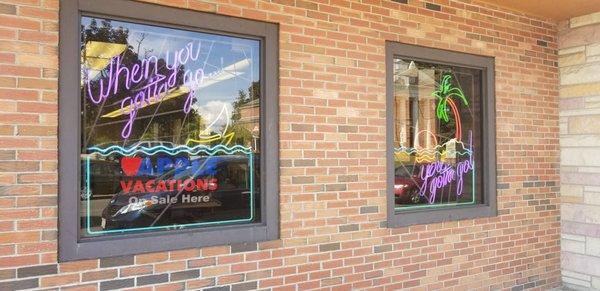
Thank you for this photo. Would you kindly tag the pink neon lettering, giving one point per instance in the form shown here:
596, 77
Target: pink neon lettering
437, 175
104, 93
158, 86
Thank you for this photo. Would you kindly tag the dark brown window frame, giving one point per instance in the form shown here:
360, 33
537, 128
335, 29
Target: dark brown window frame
71, 246
488, 118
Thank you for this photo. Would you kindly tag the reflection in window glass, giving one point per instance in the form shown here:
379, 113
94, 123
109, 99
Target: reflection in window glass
437, 134
170, 128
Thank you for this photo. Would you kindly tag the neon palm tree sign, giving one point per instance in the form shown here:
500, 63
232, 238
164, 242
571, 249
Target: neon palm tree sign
444, 167
445, 92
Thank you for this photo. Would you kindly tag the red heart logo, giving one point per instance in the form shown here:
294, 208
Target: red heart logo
130, 165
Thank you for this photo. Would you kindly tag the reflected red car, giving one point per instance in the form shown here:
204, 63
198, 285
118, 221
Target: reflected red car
406, 185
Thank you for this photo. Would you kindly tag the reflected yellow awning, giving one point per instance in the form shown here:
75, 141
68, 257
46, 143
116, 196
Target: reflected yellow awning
98, 55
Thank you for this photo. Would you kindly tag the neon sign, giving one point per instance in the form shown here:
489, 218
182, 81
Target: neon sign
154, 154
155, 86
174, 165
437, 175
437, 169
137, 166
444, 94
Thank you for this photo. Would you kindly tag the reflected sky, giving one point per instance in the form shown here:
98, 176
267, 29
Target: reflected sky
216, 53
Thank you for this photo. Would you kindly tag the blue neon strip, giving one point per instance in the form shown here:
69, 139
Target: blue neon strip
431, 151
173, 151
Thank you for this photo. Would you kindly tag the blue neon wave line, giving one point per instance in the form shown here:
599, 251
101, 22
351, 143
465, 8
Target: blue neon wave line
209, 223
173, 151
413, 150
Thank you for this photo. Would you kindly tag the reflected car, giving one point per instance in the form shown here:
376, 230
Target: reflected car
406, 185
221, 191
106, 179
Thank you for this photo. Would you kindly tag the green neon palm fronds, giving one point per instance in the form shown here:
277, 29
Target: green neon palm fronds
445, 91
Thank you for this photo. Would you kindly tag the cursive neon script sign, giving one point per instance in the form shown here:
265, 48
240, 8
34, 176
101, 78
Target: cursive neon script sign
147, 83
438, 175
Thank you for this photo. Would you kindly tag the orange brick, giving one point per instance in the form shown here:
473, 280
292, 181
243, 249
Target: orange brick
8, 34
99, 275
215, 271
215, 251
21, 71
78, 266
7, 58
135, 271
229, 279
151, 258
36, 248
170, 266
18, 261
36, 36
18, 22
38, 13
184, 254
19, 237
170, 287
30, 83
201, 283
59, 280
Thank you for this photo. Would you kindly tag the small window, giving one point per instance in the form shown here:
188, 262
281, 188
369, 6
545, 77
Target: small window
172, 140
440, 134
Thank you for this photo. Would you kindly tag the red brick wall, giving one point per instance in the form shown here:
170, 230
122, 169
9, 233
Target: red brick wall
332, 103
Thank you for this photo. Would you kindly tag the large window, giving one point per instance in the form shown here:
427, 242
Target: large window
440, 135
172, 119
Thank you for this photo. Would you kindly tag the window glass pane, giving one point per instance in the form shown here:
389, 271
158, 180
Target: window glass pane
437, 135
170, 128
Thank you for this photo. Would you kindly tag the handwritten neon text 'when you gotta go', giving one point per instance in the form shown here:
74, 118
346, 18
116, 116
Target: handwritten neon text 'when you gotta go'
156, 85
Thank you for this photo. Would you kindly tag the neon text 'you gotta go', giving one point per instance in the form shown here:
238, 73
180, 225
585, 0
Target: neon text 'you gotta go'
438, 175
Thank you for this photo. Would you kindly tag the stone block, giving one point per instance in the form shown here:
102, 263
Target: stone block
563, 128
593, 59
587, 124
582, 229
592, 246
571, 199
571, 50
579, 90
572, 246
579, 74
592, 49
592, 198
573, 237
571, 103
580, 263
575, 275
580, 156
571, 190
585, 20
576, 282
579, 178
581, 213
596, 283
571, 59
592, 102
579, 36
